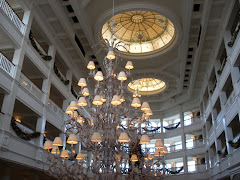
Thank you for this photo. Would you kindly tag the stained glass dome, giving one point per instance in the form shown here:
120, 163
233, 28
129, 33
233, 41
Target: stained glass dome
140, 31
149, 86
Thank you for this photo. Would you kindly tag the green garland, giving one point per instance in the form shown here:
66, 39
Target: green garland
223, 155
222, 66
22, 134
66, 82
45, 57
236, 144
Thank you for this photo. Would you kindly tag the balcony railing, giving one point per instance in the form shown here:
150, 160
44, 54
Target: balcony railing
55, 108
7, 9
6, 65
197, 168
32, 88
194, 144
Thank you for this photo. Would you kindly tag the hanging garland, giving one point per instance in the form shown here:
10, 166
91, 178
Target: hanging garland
22, 134
236, 144
174, 172
45, 57
66, 82
223, 155
153, 130
222, 66
169, 127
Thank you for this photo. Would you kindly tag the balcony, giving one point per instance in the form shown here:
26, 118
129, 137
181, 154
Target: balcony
56, 109
32, 88
6, 65
7, 9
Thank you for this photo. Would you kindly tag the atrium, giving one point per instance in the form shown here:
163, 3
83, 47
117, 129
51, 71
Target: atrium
173, 65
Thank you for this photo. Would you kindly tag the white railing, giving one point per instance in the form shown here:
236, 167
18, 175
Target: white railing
32, 88
55, 108
230, 101
6, 65
219, 117
197, 168
7, 9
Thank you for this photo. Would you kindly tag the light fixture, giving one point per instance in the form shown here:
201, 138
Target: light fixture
100, 130
73, 105
82, 82
91, 65
82, 102
99, 76
85, 92
136, 102
129, 65
116, 100
97, 100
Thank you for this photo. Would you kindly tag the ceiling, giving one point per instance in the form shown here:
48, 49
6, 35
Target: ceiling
181, 64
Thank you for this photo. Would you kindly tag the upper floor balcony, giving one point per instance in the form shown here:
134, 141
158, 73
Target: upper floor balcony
9, 12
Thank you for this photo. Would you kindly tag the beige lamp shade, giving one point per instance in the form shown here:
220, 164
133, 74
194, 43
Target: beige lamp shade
145, 106
96, 137
110, 54
47, 145
80, 119
85, 92
116, 100
122, 99
136, 94
137, 84
148, 112
72, 139
103, 99
68, 111
79, 156
55, 150
64, 154
73, 105
134, 158
149, 157
82, 82
99, 76
91, 65
164, 150
57, 142
157, 153
129, 65
136, 102
122, 76
82, 102
118, 158
97, 100
123, 138
159, 144
144, 140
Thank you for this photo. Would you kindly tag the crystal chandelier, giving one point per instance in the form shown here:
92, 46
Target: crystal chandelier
114, 149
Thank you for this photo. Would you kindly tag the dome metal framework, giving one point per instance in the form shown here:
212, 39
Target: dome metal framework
141, 31
149, 86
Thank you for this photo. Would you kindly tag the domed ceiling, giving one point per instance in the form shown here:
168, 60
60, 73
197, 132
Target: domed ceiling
139, 31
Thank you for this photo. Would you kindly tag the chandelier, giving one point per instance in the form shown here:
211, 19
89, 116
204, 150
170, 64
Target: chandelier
114, 149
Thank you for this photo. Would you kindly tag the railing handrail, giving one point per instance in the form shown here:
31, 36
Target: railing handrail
8, 10
33, 87
55, 105
6, 65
